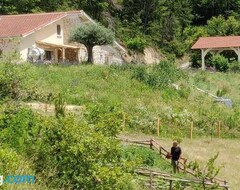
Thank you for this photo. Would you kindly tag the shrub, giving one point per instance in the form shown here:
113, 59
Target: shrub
81, 156
234, 67
221, 92
195, 58
16, 124
69, 152
137, 44
159, 76
176, 47
10, 81
60, 107
220, 62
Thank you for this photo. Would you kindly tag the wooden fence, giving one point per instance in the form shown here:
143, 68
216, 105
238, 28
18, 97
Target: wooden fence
158, 180
154, 145
219, 126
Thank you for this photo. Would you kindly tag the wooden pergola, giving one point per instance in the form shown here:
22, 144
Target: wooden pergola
63, 50
218, 44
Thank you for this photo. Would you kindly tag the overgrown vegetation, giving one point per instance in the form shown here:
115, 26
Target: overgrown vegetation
66, 152
72, 151
143, 93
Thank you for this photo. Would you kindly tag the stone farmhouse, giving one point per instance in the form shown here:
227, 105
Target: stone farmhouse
49, 32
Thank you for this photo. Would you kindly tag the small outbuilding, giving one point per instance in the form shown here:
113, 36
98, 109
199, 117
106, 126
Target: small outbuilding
219, 44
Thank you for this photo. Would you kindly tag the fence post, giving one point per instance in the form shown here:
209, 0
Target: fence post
185, 161
160, 150
124, 120
46, 107
219, 129
171, 185
191, 131
151, 144
158, 127
151, 180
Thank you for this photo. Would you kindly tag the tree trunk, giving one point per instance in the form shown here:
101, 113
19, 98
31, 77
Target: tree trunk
90, 54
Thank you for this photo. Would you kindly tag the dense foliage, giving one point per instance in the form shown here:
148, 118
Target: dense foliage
67, 152
162, 23
79, 150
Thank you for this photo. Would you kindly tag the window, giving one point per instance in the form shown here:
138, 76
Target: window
58, 30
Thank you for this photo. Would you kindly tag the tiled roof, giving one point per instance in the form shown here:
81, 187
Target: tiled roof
217, 42
22, 25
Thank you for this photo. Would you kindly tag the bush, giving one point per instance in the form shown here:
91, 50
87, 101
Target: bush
16, 124
67, 151
220, 62
195, 58
142, 156
176, 47
234, 67
81, 156
137, 44
161, 75
10, 81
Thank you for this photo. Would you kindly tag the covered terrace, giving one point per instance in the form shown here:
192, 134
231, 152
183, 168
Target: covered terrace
217, 44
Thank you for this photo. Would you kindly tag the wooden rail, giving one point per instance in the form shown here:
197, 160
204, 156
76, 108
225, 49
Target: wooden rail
152, 178
154, 145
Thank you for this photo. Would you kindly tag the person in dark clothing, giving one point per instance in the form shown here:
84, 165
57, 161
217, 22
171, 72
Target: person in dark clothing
175, 155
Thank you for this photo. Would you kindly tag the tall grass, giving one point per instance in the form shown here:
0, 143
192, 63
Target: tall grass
144, 93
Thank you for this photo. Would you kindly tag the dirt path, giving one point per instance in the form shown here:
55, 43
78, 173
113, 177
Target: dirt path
50, 108
203, 149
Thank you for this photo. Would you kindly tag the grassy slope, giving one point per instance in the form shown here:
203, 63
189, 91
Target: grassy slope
84, 85
89, 84
214, 81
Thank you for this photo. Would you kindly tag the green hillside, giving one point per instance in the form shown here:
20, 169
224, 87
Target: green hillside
79, 150
75, 150
143, 93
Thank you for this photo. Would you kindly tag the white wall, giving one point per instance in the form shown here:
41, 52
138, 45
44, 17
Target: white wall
101, 54
46, 34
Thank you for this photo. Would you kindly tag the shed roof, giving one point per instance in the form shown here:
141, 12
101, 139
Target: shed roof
217, 42
24, 24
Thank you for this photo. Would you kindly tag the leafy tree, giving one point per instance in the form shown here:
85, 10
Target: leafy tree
204, 10
51, 6
18, 6
215, 26
232, 26
143, 13
94, 8
91, 35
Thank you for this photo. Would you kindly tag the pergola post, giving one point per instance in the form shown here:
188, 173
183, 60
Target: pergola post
204, 53
56, 55
63, 54
237, 51
203, 59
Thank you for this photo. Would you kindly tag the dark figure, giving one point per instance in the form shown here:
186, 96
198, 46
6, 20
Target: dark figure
175, 155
